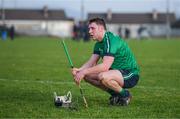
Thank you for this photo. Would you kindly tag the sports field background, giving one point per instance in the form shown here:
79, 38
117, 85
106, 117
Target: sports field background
32, 68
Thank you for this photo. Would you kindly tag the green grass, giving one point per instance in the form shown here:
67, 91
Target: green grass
32, 68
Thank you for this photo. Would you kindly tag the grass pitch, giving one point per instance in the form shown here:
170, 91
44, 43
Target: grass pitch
32, 68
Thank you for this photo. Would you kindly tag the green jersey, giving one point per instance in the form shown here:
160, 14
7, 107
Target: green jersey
113, 45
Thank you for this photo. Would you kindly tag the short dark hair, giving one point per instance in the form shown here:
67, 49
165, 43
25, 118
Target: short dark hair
98, 21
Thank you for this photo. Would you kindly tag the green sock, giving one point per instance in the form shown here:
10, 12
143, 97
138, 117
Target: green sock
112, 92
123, 93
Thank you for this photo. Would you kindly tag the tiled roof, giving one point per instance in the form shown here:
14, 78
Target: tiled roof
132, 18
24, 14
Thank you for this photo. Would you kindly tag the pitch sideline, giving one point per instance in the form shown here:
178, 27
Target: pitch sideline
72, 83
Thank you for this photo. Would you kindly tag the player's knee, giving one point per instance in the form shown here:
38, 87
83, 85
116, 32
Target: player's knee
104, 82
103, 75
103, 78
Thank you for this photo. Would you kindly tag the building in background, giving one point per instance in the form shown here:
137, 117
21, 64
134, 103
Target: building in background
176, 29
38, 22
55, 23
136, 25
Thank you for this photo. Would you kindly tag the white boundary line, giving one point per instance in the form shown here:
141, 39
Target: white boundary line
72, 83
156, 88
43, 82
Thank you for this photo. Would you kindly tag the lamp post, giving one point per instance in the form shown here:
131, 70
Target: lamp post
167, 20
2, 12
82, 10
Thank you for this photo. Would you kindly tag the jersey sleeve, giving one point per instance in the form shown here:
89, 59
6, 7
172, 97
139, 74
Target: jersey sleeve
111, 46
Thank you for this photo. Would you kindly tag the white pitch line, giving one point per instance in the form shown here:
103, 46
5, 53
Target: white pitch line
156, 88
72, 83
43, 82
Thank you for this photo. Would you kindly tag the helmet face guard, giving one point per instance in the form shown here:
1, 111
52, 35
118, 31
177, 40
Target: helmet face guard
62, 101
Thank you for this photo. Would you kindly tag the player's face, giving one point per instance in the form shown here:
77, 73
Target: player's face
94, 31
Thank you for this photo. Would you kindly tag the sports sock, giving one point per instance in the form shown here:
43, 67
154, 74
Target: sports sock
112, 92
124, 93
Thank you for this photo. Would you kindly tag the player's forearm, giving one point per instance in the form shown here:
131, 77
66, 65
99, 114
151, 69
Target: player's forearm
96, 69
87, 65
91, 62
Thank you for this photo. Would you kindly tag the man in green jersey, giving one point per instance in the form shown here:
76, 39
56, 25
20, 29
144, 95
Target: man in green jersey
118, 70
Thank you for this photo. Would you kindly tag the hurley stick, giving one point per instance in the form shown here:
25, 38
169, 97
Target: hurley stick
71, 65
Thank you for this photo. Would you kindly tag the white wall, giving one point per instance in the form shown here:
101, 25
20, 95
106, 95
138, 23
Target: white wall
132, 27
61, 29
157, 29
41, 27
175, 32
154, 30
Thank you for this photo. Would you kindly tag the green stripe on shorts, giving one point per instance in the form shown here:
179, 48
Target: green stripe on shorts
128, 76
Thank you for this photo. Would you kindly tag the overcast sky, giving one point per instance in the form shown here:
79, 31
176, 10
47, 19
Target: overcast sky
73, 7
